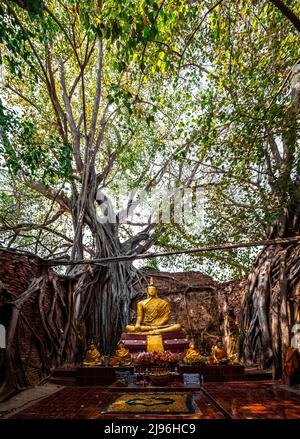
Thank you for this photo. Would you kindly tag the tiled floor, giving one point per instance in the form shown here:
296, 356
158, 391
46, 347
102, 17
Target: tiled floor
238, 400
68, 403
255, 400
87, 403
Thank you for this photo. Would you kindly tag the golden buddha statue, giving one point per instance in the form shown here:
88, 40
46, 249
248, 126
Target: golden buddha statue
219, 353
121, 357
92, 356
153, 314
192, 354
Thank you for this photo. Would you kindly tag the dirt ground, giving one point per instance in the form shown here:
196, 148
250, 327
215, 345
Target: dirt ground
26, 398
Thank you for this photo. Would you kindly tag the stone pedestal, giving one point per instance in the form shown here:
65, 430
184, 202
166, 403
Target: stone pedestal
175, 342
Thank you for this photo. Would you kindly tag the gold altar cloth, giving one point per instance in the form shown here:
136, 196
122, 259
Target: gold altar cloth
155, 343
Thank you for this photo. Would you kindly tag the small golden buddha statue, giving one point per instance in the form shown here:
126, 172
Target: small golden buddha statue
218, 352
153, 314
192, 354
121, 357
233, 359
92, 356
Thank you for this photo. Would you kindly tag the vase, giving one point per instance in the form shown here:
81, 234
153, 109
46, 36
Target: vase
161, 379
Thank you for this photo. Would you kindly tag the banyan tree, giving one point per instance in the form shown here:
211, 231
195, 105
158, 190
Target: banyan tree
107, 111
80, 129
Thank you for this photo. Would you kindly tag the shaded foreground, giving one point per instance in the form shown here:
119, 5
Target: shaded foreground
238, 400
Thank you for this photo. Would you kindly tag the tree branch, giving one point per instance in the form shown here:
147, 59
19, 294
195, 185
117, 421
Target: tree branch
102, 176
196, 30
63, 29
30, 102
54, 98
95, 112
70, 117
51, 194
287, 12
78, 77
29, 226
129, 246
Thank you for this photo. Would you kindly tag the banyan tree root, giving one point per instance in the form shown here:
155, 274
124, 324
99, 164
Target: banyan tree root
41, 311
230, 300
36, 308
105, 298
271, 307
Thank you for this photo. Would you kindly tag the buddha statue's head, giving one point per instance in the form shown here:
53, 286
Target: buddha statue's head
151, 289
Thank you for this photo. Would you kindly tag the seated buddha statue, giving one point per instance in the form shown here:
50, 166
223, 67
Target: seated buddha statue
92, 356
219, 353
153, 315
192, 354
121, 357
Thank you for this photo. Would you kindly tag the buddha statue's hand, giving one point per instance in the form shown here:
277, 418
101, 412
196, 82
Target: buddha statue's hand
137, 327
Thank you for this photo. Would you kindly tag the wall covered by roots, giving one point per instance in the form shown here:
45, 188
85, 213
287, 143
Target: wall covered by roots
272, 306
230, 299
35, 308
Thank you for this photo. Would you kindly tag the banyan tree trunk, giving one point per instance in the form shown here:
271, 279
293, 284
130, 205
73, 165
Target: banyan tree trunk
271, 306
104, 293
105, 303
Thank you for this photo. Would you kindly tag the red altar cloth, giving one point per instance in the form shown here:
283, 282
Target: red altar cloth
175, 342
